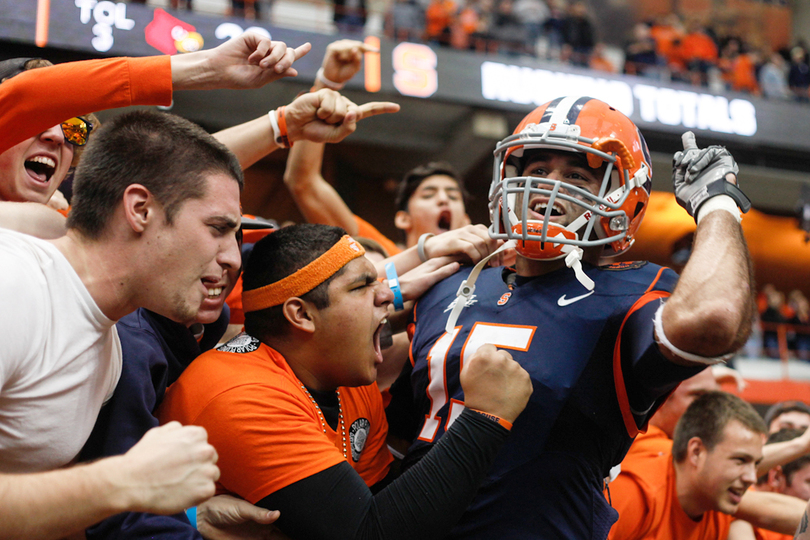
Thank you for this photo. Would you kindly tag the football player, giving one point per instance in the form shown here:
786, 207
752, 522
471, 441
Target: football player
603, 344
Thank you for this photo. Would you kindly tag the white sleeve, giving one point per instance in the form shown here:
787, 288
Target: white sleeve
24, 313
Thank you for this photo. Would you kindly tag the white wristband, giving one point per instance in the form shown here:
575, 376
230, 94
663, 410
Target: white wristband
719, 202
332, 85
420, 246
274, 129
661, 339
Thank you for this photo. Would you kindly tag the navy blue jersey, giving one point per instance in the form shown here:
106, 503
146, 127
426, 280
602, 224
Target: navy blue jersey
597, 374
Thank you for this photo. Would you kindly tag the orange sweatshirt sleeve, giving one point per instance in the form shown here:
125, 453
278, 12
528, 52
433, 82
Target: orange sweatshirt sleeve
38, 99
367, 230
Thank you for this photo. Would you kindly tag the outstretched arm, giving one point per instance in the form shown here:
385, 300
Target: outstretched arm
783, 452
772, 511
29, 105
247, 61
315, 197
323, 116
709, 314
171, 468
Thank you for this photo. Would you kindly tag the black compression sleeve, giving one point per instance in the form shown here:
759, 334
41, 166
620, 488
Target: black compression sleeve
424, 503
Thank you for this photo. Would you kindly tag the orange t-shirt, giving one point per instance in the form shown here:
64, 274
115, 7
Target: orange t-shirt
367, 230
653, 442
665, 38
264, 427
765, 534
644, 495
743, 75
698, 46
438, 16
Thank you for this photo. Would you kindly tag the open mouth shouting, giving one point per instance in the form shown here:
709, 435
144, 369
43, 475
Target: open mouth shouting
377, 347
445, 219
40, 168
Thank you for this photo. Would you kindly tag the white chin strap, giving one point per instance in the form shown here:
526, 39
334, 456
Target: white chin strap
573, 254
574, 261
467, 287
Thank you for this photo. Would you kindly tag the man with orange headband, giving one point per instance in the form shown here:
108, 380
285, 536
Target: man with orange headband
292, 408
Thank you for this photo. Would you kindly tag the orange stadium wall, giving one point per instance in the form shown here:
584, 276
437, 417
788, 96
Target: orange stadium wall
767, 393
777, 246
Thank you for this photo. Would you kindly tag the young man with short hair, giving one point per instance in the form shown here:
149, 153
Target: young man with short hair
787, 414
64, 355
294, 412
697, 489
62, 347
792, 478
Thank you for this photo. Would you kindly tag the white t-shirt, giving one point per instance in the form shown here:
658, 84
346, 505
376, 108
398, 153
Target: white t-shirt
60, 357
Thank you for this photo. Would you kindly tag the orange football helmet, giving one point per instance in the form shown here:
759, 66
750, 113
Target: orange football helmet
610, 218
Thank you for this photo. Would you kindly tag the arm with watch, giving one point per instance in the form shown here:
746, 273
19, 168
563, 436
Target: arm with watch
708, 317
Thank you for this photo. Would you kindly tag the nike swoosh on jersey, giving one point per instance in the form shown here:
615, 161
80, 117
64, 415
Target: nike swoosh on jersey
563, 301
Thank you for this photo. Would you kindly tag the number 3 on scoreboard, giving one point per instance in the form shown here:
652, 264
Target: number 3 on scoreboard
503, 336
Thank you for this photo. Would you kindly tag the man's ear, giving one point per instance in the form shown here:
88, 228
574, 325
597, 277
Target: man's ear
139, 207
299, 313
403, 221
695, 451
776, 479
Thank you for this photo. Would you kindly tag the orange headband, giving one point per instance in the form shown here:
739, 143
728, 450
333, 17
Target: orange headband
305, 279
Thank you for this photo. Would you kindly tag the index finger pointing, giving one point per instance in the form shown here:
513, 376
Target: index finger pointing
302, 50
373, 108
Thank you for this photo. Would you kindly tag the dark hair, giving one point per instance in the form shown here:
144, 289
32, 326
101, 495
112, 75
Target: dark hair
413, 178
707, 418
778, 409
279, 255
15, 66
788, 469
168, 155
371, 246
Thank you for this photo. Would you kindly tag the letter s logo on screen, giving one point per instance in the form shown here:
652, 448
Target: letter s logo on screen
415, 70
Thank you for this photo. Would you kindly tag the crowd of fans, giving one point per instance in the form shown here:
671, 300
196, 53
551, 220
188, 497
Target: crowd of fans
669, 48
698, 54
784, 323
121, 312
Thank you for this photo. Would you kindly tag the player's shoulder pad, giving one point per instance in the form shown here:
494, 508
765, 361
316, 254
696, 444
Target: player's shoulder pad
622, 266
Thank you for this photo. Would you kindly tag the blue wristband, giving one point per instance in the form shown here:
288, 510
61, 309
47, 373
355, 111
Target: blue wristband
393, 283
191, 514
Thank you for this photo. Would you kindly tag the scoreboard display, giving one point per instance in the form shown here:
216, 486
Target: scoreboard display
415, 70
